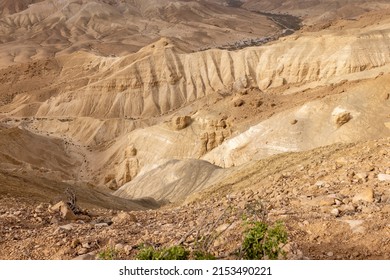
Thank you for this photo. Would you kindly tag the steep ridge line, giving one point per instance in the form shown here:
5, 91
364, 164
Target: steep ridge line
160, 78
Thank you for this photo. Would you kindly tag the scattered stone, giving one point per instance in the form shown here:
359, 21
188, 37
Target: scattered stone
356, 225
326, 201
124, 217
238, 103
366, 195
335, 212
101, 225
383, 177
67, 227
86, 257
294, 122
82, 251
127, 249
65, 211
320, 184
370, 209
75, 243
222, 227
318, 201
54, 221
369, 168
362, 176
39, 208
119, 247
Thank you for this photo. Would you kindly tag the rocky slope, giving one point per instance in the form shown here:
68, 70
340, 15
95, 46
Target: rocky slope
334, 201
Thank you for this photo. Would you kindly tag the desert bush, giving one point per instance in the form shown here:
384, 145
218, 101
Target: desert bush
262, 241
108, 253
202, 255
170, 253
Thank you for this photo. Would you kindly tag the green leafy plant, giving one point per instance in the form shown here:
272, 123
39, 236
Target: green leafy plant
174, 253
170, 253
202, 255
263, 241
146, 253
108, 253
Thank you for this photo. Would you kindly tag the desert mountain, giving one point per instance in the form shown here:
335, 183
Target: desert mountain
321, 11
124, 112
32, 30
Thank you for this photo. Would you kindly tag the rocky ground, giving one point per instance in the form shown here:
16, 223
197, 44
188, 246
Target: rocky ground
334, 202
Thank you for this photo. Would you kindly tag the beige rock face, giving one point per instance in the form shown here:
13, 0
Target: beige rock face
172, 181
317, 125
133, 92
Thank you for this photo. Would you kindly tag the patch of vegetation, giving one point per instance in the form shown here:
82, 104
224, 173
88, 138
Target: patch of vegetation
108, 253
202, 255
262, 241
170, 253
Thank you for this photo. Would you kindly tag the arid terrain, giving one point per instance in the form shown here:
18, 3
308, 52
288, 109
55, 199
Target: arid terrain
126, 122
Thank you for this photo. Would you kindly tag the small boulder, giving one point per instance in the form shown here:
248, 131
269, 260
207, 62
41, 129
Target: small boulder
384, 177
180, 122
64, 210
342, 118
365, 195
335, 212
101, 225
124, 217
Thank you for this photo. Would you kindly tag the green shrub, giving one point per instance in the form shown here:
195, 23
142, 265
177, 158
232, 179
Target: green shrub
170, 253
146, 253
262, 241
174, 253
201, 255
108, 253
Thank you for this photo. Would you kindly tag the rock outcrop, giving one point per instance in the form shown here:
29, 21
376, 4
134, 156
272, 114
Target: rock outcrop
180, 122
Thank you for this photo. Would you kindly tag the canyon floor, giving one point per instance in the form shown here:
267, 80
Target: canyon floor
125, 123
